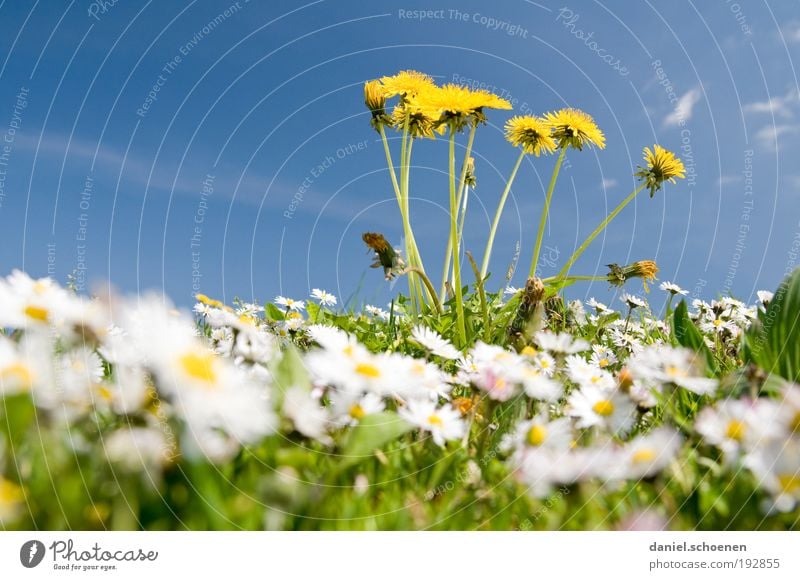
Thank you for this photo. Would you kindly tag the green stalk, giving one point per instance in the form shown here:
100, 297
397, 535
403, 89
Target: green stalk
413, 250
454, 241
599, 229
546, 210
448, 255
412, 283
487, 253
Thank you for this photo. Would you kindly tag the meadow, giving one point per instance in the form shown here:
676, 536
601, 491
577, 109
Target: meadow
451, 408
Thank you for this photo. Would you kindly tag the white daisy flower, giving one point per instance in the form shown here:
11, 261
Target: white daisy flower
602, 357
139, 448
673, 288
540, 432
596, 407
561, 342
434, 342
376, 312
443, 423
308, 416
732, 425
679, 366
599, 307
633, 301
765, 297
323, 297
776, 466
647, 455
290, 304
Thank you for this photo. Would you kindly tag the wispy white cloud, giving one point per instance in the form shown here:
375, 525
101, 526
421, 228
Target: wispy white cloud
784, 106
609, 183
728, 179
684, 109
791, 31
769, 135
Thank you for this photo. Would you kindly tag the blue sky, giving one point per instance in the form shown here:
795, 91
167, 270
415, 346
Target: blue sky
148, 142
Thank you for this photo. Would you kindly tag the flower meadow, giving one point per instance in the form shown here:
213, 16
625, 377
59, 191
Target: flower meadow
454, 407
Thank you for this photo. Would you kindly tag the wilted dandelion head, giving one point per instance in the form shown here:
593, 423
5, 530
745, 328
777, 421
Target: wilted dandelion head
662, 165
533, 134
644, 269
574, 128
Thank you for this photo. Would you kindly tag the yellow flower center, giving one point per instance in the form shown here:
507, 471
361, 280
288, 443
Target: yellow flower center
735, 430
435, 420
537, 435
794, 425
603, 408
643, 456
105, 392
528, 351
674, 371
199, 366
37, 313
9, 492
368, 370
603, 363
357, 411
18, 372
789, 482
348, 350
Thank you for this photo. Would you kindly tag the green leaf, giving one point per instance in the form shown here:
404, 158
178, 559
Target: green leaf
274, 313
17, 412
290, 372
313, 310
773, 341
371, 433
687, 334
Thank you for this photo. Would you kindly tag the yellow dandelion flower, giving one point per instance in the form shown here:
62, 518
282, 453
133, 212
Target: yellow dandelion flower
575, 128
406, 83
530, 133
458, 105
662, 165
419, 123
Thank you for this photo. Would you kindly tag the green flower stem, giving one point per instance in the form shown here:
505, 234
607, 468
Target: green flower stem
413, 284
546, 210
454, 242
559, 278
448, 254
389, 162
599, 229
413, 250
428, 285
487, 253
